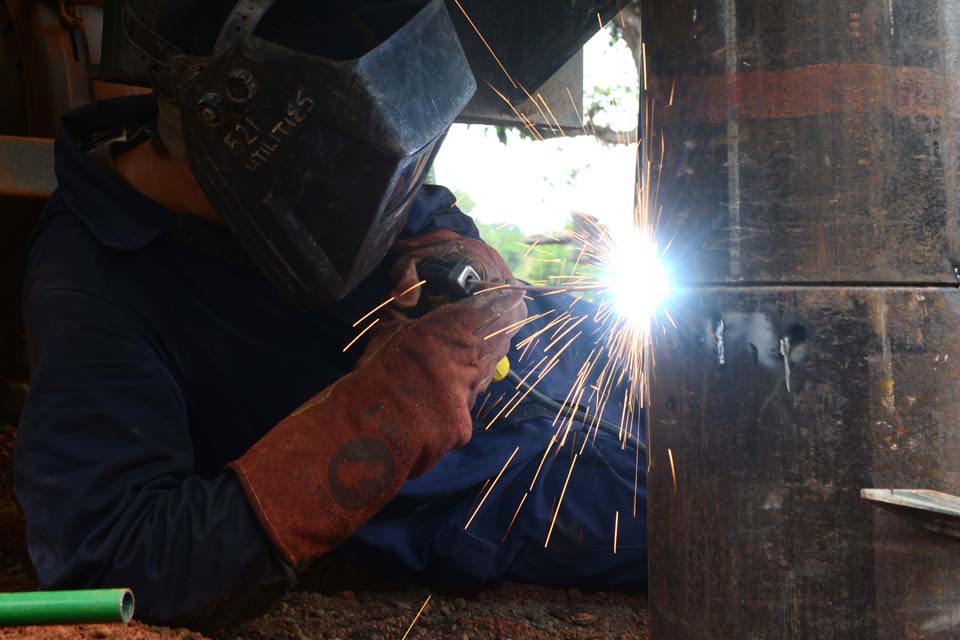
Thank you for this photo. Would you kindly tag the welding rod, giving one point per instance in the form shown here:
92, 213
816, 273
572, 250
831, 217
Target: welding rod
66, 607
533, 288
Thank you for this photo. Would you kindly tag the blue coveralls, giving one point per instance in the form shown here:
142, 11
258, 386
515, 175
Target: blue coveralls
159, 355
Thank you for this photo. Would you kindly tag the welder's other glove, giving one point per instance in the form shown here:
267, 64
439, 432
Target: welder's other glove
443, 245
326, 469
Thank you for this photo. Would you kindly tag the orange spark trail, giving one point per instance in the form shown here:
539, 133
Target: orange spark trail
523, 354
529, 391
546, 452
522, 118
583, 125
491, 408
373, 311
484, 403
537, 105
485, 43
616, 526
414, 287
514, 518
560, 501
673, 471
487, 494
489, 289
547, 107
360, 335
565, 316
531, 372
643, 48
425, 603
620, 14
386, 303
483, 490
517, 325
502, 411
564, 334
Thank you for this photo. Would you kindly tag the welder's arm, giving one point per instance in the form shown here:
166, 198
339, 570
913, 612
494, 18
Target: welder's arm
434, 209
332, 464
104, 473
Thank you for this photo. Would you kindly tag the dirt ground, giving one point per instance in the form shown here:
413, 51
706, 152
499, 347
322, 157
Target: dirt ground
518, 612
380, 612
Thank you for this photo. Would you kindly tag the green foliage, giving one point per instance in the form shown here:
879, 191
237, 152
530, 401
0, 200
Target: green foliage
507, 240
464, 202
539, 264
544, 263
603, 99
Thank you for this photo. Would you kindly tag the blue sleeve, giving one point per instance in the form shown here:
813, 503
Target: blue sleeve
434, 209
104, 473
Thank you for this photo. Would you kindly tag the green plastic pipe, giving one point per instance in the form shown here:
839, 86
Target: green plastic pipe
66, 607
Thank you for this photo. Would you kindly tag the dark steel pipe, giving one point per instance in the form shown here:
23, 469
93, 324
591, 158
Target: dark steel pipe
810, 178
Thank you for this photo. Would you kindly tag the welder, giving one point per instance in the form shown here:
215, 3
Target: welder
195, 429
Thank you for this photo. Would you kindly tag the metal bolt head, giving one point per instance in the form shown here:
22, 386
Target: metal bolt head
211, 110
241, 86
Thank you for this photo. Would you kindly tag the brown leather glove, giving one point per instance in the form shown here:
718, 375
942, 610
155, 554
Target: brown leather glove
444, 245
320, 474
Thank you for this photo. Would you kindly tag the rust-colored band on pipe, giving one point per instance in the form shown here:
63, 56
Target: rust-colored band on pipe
803, 92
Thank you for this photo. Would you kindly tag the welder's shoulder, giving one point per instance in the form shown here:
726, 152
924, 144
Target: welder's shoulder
66, 256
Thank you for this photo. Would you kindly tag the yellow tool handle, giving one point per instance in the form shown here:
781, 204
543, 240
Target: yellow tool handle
502, 371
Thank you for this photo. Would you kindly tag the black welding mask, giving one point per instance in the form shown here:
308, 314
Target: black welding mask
308, 124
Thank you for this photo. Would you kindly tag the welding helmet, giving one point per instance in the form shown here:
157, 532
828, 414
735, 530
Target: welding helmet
309, 125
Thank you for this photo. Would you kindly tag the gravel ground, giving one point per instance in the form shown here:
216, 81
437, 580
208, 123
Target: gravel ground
380, 612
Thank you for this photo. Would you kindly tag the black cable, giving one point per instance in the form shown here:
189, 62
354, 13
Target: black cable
580, 413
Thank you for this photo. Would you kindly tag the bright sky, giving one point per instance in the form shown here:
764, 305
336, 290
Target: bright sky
537, 185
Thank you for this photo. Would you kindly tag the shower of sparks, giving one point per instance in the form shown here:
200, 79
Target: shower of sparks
622, 273
417, 617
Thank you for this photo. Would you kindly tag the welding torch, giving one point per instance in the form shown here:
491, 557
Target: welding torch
448, 282
451, 281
